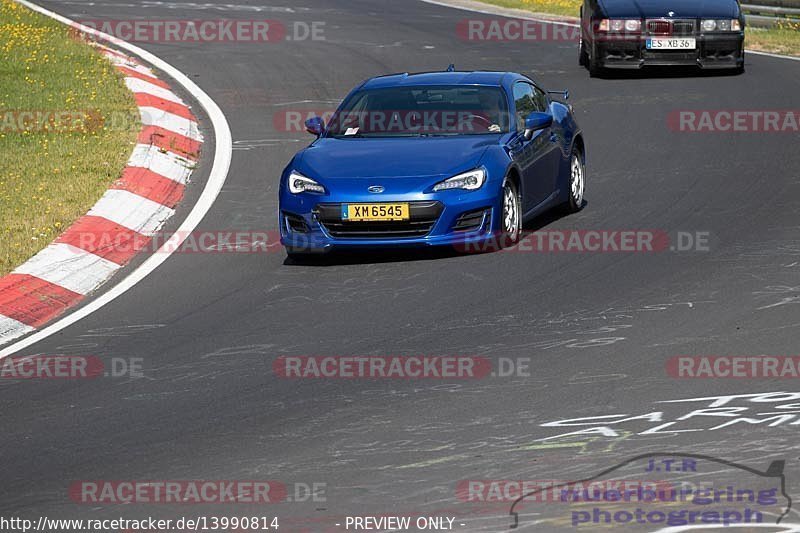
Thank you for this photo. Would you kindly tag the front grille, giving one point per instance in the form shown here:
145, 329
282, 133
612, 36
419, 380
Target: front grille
422, 217
671, 27
683, 27
659, 27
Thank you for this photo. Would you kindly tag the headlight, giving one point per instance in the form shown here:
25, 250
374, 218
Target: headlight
618, 25
299, 183
468, 181
633, 25
722, 25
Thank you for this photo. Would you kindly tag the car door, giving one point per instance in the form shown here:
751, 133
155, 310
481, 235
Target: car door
552, 149
534, 156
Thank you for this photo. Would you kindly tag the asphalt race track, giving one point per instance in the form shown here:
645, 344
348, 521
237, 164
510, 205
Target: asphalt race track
597, 328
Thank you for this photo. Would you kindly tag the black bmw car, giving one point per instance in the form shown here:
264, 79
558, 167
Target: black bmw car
637, 33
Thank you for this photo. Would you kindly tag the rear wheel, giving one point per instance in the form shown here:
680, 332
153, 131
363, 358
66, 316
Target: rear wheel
577, 181
511, 219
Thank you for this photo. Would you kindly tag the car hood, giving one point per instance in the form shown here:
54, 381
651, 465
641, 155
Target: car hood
413, 157
661, 8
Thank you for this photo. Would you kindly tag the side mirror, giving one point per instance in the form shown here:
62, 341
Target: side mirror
315, 126
537, 121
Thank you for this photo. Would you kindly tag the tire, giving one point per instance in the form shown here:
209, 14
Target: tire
576, 187
740, 68
511, 215
595, 70
594, 66
583, 55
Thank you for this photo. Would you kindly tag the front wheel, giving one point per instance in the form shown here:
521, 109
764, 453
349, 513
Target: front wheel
577, 181
511, 218
592, 63
595, 70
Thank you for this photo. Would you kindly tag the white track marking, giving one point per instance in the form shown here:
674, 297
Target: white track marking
216, 179
767, 54
131, 211
140, 86
11, 329
167, 164
152, 116
122, 62
69, 267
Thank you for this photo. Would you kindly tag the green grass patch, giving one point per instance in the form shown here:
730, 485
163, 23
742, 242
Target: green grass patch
67, 128
569, 8
784, 39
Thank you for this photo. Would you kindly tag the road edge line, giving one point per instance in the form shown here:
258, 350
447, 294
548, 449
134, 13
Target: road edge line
223, 153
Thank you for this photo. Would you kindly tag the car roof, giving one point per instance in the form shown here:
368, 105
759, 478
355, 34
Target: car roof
494, 79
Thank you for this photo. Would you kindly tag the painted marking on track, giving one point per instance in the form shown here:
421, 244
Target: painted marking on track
69, 267
152, 116
169, 165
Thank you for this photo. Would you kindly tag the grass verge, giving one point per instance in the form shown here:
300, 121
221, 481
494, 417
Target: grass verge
67, 127
566, 8
784, 39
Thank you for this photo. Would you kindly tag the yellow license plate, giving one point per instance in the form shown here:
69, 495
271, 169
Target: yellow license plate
374, 212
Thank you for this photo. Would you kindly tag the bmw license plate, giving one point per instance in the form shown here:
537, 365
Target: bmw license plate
666, 43
374, 212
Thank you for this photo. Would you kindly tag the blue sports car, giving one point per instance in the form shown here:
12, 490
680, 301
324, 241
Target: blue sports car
432, 159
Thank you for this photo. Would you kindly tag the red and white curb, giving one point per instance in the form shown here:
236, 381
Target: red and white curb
134, 208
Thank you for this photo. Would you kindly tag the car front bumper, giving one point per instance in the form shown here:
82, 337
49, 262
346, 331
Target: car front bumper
310, 223
713, 51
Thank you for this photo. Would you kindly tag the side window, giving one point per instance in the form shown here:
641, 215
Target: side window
524, 103
541, 100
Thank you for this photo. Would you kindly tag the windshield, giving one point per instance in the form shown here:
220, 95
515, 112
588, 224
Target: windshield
422, 111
